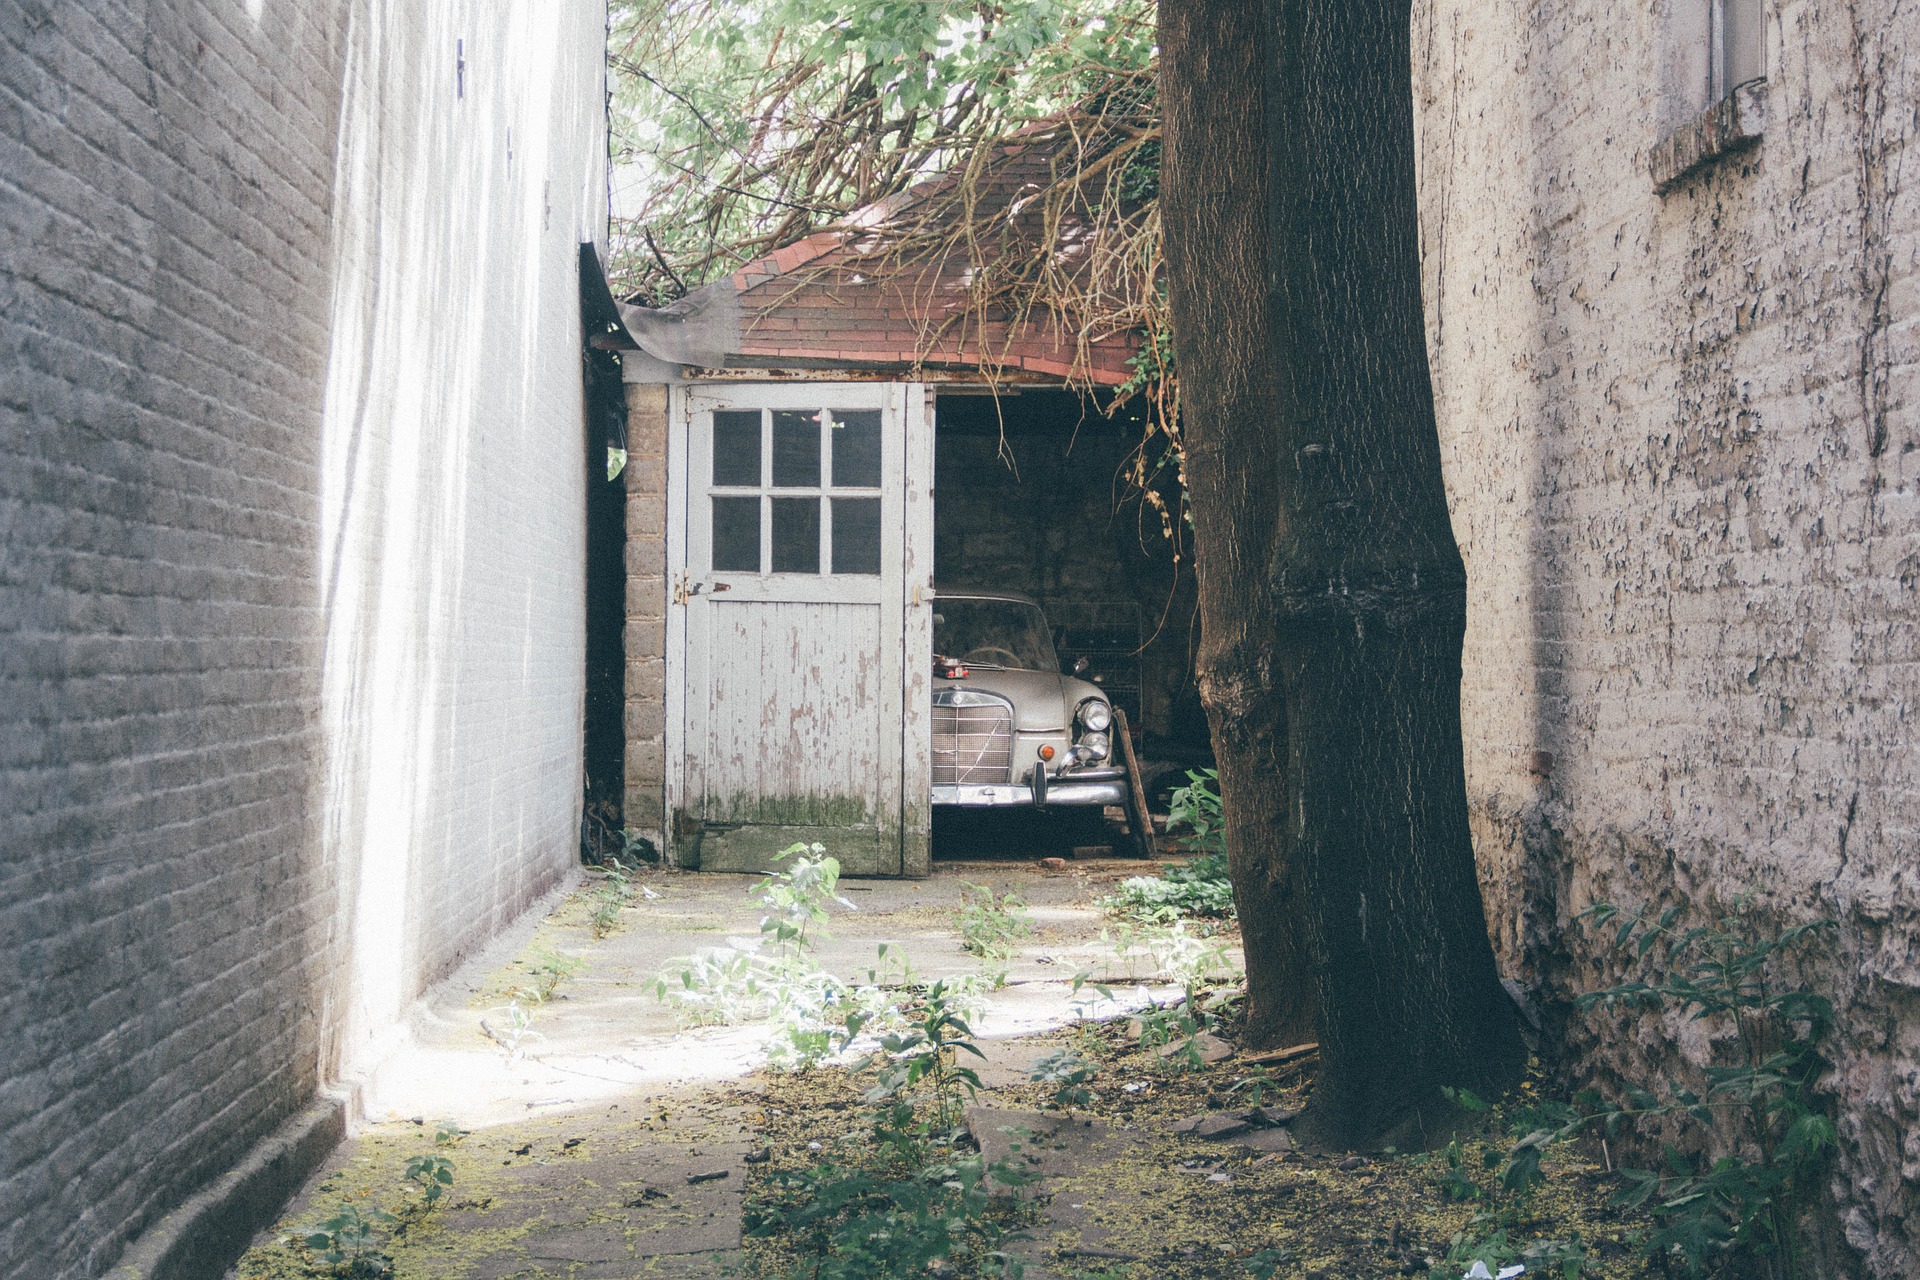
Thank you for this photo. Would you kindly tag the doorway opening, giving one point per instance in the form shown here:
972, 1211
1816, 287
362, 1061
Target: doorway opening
603, 747
1032, 497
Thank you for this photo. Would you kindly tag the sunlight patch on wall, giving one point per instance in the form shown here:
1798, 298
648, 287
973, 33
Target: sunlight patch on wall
452, 561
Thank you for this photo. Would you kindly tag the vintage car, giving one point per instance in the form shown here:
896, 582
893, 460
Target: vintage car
1008, 727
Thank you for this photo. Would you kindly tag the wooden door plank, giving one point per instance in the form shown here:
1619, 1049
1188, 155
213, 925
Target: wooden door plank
916, 586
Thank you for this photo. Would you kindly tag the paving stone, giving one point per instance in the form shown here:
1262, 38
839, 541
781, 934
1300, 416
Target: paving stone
1212, 1048
1272, 1141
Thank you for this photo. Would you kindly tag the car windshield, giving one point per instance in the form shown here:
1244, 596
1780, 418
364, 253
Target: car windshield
993, 633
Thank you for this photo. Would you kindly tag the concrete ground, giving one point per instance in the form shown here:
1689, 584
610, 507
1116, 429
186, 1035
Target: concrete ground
607, 1139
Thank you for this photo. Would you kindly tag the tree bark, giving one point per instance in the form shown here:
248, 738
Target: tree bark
1364, 582
1214, 190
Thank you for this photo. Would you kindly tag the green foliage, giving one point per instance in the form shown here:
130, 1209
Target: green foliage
796, 899
1069, 1073
1170, 950
923, 1057
745, 126
718, 986
1744, 1204
1198, 887
1195, 809
812, 1014
1266, 1263
918, 1205
865, 1223
617, 889
1495, 1236
549, 969
348, 1241
432, 1174
1712, 1214
515, 1029
991, 926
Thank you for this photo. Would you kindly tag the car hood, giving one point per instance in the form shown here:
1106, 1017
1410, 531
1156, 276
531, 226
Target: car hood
1042, 701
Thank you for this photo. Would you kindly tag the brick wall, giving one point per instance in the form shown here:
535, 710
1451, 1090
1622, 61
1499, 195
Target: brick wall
453, 472
646, 633
288, 595
1681, 450
165, 173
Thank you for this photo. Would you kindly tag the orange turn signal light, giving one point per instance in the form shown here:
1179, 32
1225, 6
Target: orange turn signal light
1046, 751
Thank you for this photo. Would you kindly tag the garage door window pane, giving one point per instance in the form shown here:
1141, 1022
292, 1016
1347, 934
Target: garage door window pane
796, 535
736, 446
736, 535
856, 535
856, 449
796, 449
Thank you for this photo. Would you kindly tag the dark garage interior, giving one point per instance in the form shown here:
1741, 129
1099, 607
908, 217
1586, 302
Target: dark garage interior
1031, 495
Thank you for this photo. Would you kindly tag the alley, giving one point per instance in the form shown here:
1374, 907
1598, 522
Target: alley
593, 1133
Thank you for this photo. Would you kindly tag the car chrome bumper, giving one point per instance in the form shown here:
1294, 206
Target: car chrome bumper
1088, 787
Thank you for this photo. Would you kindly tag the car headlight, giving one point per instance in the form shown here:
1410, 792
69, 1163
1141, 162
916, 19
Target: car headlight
1095, 715
1094, 745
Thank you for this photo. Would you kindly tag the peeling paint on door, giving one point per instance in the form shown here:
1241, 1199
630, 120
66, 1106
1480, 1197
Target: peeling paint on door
796, 535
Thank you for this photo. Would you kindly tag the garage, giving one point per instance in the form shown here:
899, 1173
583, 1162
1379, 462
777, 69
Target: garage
838, 450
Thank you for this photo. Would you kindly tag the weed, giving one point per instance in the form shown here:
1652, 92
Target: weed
1740, 1208
1069, 1073
1265, 1263
432, 1174
717, 986
515, 1031
812, 1014
347, 1241
1493, 1236
991, 926
549, 970
852, 1223
925, 1054
616, 890
1744, 1204
1188, 960
921, 1208
795, 899
1198, 887
1195, 808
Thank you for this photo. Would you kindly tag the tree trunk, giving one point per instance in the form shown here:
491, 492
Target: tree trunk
1214, 190
1364, 582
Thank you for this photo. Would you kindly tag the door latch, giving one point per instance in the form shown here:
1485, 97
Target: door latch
683, 592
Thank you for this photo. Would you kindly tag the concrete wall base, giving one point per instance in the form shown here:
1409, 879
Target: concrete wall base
205, 1236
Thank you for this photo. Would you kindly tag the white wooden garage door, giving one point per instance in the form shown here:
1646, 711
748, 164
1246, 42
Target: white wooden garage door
802, 535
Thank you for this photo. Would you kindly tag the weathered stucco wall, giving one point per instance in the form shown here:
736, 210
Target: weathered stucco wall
291, 468
1680, 441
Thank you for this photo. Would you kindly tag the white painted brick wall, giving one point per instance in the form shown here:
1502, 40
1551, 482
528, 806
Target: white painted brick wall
290, 557
1681, 449
453, 542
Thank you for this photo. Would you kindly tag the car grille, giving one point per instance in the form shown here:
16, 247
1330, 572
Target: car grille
972, 738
